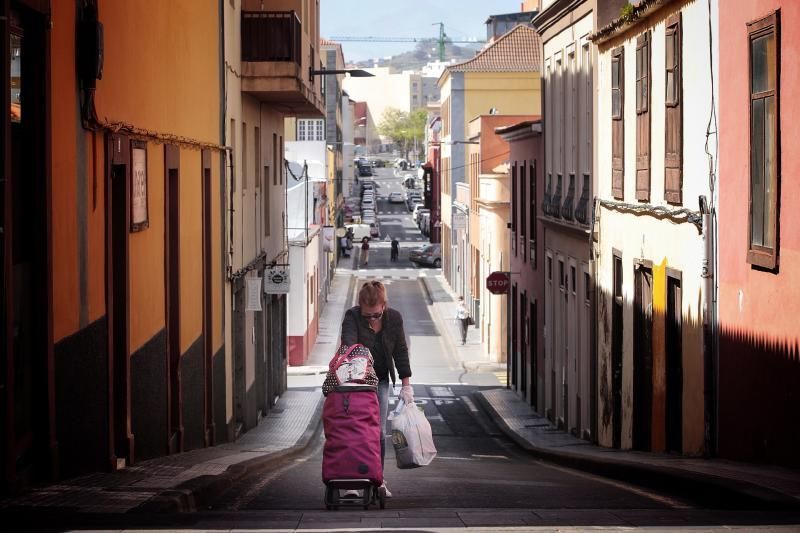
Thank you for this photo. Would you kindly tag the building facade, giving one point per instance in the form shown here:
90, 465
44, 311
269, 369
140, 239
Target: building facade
112, 336
265, 84
758, 244
504, 77
566, 211
526, 330
487, 237
654, 273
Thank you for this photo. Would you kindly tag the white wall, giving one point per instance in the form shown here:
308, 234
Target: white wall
666, 243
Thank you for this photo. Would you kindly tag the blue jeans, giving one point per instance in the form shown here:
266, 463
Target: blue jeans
384, 390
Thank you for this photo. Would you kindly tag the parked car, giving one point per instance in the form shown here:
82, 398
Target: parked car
413, 200
429, 254
364, 169
417, 210
396, 197
375, 230
425, 223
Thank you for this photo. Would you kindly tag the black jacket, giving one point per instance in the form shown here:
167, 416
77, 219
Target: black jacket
355, 330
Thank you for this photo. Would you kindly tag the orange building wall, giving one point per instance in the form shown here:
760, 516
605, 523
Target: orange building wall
191, 254
218, 337
147, 258
64, 161
164, 80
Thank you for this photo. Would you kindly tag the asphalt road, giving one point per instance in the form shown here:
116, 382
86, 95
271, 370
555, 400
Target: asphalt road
476, 467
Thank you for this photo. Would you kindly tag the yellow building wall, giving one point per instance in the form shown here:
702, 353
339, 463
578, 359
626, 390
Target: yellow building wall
511, 93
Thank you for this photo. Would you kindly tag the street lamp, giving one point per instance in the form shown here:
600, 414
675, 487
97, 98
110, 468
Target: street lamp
354, 72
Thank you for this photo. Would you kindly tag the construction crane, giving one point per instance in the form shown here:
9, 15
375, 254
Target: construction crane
440, 41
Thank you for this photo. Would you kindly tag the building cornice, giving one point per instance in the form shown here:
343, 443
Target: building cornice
550, 16
578, 230
619, 25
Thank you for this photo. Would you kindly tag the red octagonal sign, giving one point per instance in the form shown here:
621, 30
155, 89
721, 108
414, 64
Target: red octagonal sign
498, 282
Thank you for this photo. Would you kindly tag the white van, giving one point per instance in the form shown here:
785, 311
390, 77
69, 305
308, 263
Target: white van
359, 231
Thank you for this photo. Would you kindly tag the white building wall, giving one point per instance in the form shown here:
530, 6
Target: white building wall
667, 244
568, 109
382, 91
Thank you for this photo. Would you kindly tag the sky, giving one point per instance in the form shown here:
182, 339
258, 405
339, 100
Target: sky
405, 18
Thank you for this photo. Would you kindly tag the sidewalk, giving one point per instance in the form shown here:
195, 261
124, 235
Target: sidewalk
718, 482
184, 482
444, 302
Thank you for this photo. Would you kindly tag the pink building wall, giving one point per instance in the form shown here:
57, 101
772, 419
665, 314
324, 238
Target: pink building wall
759, 311
528, 277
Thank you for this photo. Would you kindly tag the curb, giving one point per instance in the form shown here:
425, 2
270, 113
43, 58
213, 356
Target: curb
197, 493
721, 493
426, 289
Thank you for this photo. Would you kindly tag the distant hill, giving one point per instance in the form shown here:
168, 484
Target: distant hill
425, 51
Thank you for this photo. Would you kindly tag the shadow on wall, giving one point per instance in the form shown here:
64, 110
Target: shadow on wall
759, 384
653, 388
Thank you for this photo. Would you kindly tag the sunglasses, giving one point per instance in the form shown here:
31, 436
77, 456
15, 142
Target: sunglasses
373, 316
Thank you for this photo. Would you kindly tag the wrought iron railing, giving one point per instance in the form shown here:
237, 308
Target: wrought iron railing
271, 36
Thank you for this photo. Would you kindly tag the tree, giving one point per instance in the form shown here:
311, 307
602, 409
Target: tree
403, 128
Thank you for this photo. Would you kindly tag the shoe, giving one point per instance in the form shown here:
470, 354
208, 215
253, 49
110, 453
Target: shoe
383, 489
351, 494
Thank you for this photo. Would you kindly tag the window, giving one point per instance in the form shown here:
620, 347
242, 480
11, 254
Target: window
320, 130
244, 156
764, 142
562, 278
532, 207
265, 196
522, 198
233, 154
275, 159
673, 131
514, 201
573, 278
549, 268
643, 118
642, 71
301, 130
257, 156
618, 123
587, 287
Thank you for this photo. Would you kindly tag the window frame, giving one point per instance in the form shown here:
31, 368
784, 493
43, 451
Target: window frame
643, 73
759, 255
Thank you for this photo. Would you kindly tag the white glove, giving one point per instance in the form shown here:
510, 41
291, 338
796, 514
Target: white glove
407, 394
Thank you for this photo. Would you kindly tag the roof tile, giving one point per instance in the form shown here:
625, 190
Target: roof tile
519, 50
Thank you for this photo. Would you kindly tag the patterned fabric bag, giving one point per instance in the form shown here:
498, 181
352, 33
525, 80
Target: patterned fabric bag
351, 365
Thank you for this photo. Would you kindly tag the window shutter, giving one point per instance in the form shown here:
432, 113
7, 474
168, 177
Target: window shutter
673, 145
618, 123
643, 118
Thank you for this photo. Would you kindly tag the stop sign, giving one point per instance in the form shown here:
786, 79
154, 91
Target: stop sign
498, 282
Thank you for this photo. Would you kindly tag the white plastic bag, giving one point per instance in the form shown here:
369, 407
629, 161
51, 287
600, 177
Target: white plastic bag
411, 436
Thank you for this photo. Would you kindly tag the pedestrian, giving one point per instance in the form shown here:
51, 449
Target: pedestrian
380, 328
365, 251
463, 318
343, 246
395, 249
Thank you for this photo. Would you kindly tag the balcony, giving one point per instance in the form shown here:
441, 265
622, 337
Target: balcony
275, 67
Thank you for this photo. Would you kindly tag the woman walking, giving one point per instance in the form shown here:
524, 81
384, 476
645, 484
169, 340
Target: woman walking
380, 328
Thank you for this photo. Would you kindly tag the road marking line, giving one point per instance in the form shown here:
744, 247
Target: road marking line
481, 456
470, 403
